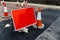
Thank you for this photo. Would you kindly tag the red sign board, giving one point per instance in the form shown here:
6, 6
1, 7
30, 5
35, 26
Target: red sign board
23, 17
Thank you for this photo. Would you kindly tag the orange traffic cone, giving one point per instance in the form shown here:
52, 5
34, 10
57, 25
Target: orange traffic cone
3, 2
17, 3
5, 11
39, 20
23, 3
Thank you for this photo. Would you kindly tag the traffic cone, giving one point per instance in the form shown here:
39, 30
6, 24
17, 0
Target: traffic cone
39, 24
24, 30
23, 3
26, 3
3, 2
17, 3
5, 11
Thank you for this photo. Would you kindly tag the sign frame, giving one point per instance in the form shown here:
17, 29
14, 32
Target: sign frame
24, 26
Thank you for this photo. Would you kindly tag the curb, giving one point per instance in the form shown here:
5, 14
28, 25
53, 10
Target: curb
41, 5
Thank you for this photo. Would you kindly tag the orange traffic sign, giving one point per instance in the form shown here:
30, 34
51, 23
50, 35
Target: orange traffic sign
23, 17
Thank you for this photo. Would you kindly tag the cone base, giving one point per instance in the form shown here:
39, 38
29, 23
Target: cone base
34, 26
40, 27
19, 30
6, 17
25, 30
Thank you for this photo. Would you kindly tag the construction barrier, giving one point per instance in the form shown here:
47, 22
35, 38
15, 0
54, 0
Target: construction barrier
23, 17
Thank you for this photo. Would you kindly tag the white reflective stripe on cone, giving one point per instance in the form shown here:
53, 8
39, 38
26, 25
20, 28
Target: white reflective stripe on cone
39, 16
5, 9
26, 3
17, 1
23, 2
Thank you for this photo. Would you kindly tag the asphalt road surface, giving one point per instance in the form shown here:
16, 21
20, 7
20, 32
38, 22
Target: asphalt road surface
51, 33
48, 17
